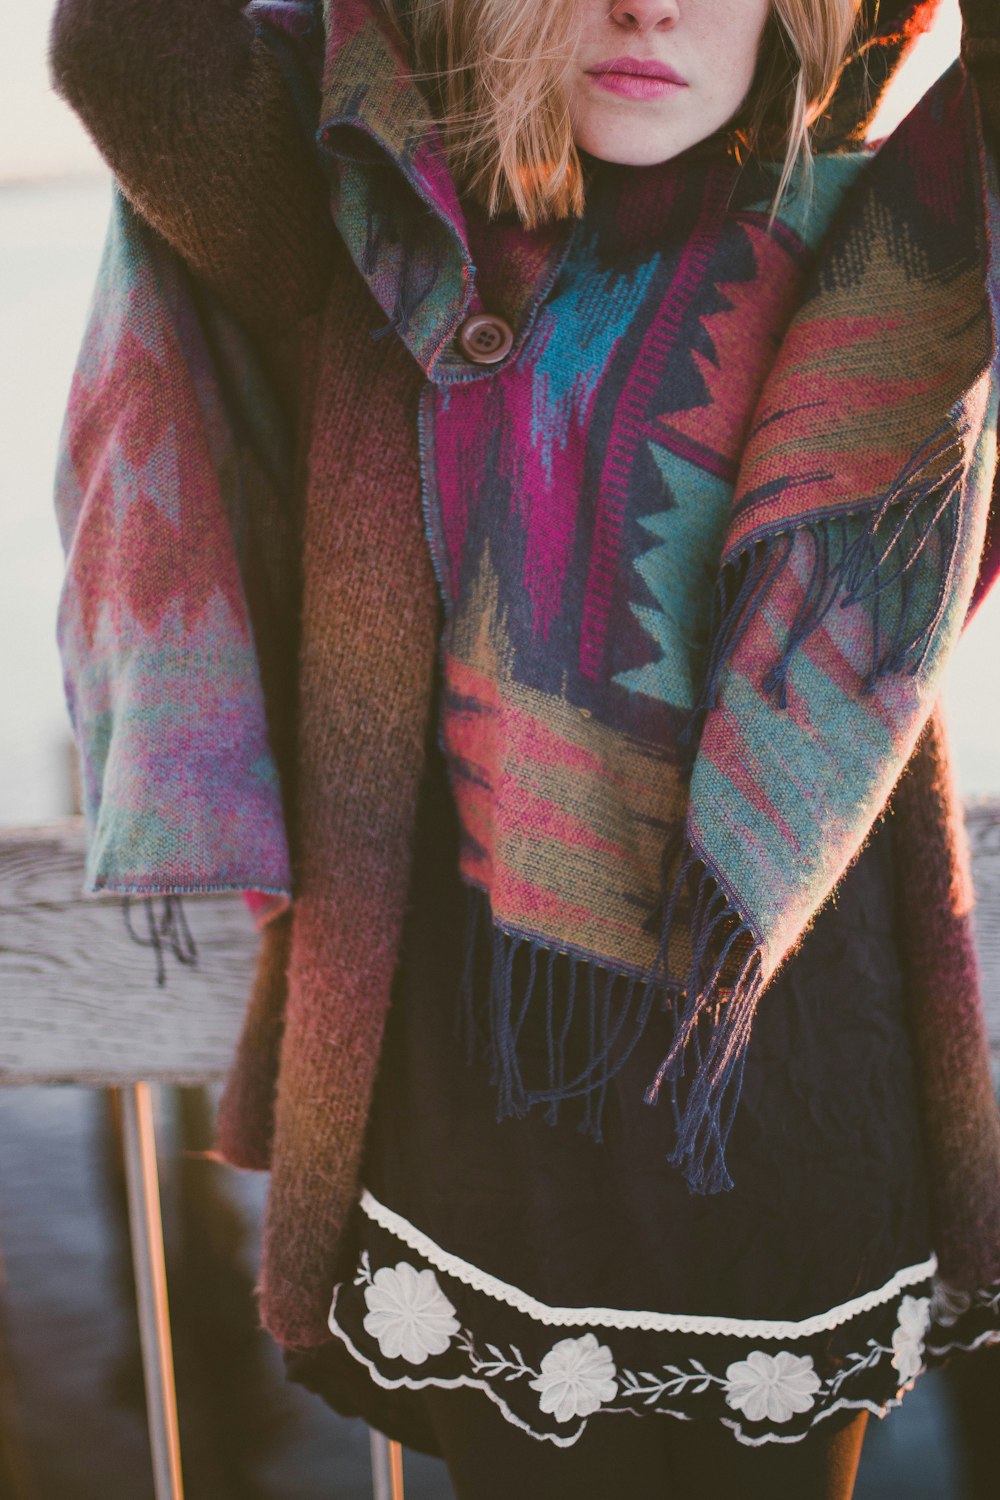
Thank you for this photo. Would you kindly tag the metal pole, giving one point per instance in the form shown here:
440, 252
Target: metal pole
381, 1474
387, 1467
143, 1191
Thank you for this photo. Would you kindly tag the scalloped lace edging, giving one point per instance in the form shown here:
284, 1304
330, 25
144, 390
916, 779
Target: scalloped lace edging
627, 1318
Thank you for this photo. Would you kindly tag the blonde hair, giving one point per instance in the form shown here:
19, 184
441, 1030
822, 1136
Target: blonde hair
493, 72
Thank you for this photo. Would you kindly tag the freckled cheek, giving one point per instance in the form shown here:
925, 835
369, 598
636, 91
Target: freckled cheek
732, 42
725, 94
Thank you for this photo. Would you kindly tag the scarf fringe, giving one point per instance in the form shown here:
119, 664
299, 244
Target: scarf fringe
171, 932
712, 1017
712, 1032
617, 1007
868, 557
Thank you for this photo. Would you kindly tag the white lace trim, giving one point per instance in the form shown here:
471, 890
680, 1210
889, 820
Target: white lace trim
956, 1346
624, 1318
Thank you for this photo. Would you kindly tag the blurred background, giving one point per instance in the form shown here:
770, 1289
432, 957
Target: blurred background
72, 1418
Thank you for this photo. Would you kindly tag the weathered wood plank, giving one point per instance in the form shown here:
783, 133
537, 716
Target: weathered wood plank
982, 821
79, 999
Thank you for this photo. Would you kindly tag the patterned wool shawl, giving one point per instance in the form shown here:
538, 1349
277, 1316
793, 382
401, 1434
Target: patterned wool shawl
705, 540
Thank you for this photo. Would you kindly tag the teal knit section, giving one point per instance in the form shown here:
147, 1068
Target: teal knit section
679, 572
576, 335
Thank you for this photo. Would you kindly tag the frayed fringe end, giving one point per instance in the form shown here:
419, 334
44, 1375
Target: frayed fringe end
703, 1067
598, 1016
872, 556
613, 1008
168, 933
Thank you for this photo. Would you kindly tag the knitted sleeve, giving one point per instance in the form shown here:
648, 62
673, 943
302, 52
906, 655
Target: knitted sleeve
981, 52
192, 113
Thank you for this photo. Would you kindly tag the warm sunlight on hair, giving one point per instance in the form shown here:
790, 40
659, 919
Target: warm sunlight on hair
932, 54
495, 71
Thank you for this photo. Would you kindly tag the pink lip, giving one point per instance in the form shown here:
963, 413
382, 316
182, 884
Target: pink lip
636, 78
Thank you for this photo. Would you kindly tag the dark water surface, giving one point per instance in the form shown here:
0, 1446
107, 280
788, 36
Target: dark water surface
72, 1412
72, 1415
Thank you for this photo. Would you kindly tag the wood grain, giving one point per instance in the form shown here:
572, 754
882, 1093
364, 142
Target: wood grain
80, 1002
982, 822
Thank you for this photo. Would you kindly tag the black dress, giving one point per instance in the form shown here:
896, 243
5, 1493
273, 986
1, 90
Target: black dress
567, 1278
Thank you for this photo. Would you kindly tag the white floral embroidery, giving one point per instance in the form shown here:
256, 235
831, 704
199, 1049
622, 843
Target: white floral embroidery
773, 1386
577, 1376
646, 1387
408, 1313
948, 1303
411, 1318
908, 1339
498, 1363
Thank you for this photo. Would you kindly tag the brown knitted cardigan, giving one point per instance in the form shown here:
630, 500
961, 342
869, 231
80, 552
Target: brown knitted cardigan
191, 112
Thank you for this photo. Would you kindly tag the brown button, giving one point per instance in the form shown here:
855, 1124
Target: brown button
485, 339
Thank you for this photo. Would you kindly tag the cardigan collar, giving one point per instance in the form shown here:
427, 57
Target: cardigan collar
392, 195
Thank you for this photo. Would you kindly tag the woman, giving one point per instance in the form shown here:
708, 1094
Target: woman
692, 371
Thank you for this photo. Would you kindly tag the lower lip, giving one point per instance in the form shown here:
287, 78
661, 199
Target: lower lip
636, 85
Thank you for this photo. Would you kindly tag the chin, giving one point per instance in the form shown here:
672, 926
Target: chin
632, 153
629, 144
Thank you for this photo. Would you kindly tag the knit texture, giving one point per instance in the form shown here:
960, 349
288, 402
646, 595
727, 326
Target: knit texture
173, 457
366, 662
579, 502
946, 1015
365, 672
244, 1125
253, 220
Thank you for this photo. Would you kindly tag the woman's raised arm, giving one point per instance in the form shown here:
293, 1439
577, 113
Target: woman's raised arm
981, 51
191, 111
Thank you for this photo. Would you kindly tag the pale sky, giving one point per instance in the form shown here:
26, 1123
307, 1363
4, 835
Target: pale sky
41, 137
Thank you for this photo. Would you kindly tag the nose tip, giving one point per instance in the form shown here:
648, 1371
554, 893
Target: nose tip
646, 15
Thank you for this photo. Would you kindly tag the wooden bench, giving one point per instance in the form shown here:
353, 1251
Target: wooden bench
80, 1003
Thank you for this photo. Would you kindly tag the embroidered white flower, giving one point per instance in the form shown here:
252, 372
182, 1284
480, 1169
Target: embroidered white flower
908, 1340
948, 1303
408, 1313
577, 1376
772, 1386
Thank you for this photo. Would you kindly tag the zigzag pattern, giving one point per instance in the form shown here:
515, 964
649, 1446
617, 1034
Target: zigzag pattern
180, 788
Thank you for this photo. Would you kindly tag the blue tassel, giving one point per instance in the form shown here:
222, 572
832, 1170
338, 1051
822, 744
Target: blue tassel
522, 973
170, 934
